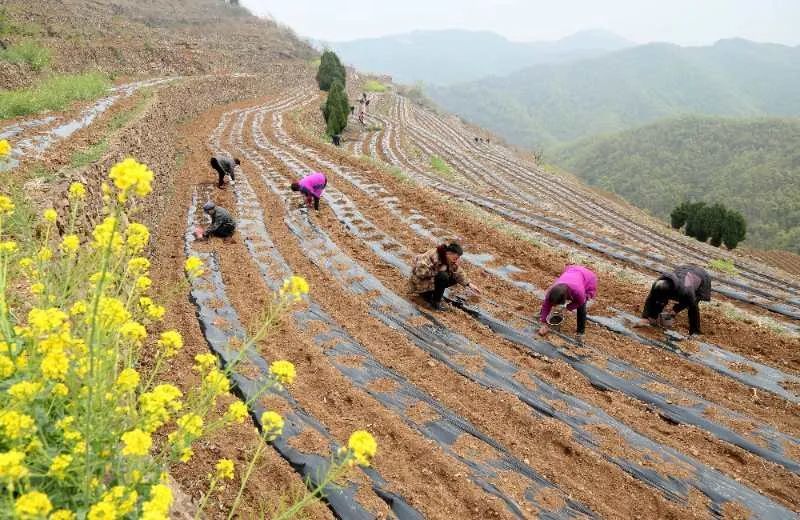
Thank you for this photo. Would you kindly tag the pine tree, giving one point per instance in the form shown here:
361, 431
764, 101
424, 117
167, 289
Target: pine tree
695, 227
716, 216
680, 214
330, 70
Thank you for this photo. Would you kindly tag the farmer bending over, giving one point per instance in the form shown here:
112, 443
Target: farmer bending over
224, 166
576, 285
222, 224
311, 186
688, 285
434, 271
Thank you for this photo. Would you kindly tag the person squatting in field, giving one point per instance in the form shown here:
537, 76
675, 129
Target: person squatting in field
574, 288
435, 270
224, 166
222, 224
688, 285
312, 187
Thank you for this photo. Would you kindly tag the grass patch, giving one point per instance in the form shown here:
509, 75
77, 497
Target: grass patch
122, 118
722, 266
374, 86
315, 62
36, 56
9, 27
440, 166
54, 93
89, 155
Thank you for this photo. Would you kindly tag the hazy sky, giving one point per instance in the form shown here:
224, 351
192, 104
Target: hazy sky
686, 22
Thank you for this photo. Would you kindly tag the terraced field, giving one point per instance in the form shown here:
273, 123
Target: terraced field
475, 416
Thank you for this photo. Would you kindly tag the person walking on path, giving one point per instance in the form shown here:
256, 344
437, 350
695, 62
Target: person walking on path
434, 271
222, 224
576, 285
224, 166
688, 285
312, 187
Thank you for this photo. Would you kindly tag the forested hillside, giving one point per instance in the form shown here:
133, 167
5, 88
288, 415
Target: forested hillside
550, 104
751, 165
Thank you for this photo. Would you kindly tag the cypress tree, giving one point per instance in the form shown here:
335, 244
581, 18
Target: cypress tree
337, 109
695, 226
330, 70
734, 229
715, 218
680, 214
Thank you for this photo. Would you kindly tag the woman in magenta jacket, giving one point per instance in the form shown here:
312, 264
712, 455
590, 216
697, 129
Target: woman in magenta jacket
311, 186
576, 285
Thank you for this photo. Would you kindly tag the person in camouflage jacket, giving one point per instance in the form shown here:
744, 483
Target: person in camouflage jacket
435, 270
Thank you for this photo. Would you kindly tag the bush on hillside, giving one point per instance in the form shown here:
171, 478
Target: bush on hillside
336, 109
36, 56
330, 70
715, 222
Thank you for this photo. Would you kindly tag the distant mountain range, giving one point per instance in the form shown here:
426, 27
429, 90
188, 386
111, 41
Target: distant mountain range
453, 56
752, 165
549, 104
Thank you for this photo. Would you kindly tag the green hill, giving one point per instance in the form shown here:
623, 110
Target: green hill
550, 104
751, 165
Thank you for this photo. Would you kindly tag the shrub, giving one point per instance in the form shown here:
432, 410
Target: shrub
54, 93
36, 56
722, 266
330, 70
734, 229
716, 222
374, 86
82, 410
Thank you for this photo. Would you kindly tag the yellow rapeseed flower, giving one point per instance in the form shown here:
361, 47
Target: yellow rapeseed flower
131, 176
272, 425
70, 244
137, 443
63, 514
137, 237
8, 246
363, 446
24, 391
6, 205
171, 341
138, 265
5, 148
132, 331
79, 307
157, 405
55, 365
237, 412
216, 382
50, 215
186, 454
12, 467
283, 371
44, 254
77, 191
106, 234
127, 380
32, 505
225, 469
37, 288
112, 313
191, 423
60, 390
194, 267
59, 466
143, 283
158, 505
204, 363
295, 286
7, 367
103, 511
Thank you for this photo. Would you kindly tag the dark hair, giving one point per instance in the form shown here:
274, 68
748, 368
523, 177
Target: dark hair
237, 161
557, 294
454, 247
295, 186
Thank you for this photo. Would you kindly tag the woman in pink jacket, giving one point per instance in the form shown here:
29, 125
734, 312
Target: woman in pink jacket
576, 285
311, 186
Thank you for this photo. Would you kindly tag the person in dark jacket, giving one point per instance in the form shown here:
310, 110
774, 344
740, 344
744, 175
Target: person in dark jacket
222, 224
224, 166
688, 285
434, 271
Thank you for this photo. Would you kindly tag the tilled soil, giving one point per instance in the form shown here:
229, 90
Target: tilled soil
436, 477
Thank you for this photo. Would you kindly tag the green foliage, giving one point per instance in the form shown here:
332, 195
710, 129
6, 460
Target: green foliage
734, 230
330, 70
750, 165
552, 104
336, 109
374, 86
715, 222
89, 155
722, 266
440, 166
36, 56
54, 93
